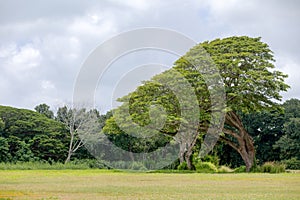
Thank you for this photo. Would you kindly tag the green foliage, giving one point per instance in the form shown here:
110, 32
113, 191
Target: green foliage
138, 166
25, 124
206, 167
121, 165
292, 108
246, 65
251, 84
2, 125
103, 118
47, 148
228, 156
289, 143
240, 169
4, 150
44, 165
130, 165
266, 128
214, 159
182, 166
19, 150
31, 135
45, 110
275, 134
137, 141
292, 163
86, 163
272, 167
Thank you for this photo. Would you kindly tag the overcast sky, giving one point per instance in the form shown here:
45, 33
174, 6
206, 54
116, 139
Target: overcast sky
44, 43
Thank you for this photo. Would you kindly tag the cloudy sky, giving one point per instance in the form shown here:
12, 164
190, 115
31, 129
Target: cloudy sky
44, 43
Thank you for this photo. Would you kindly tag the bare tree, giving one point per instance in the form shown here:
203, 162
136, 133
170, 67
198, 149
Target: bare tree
81, 124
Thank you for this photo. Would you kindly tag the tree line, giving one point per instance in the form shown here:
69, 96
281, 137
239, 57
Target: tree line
27, 135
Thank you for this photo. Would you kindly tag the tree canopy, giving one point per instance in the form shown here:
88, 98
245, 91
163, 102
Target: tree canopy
45, 110
30, 135
251, 84
289, 143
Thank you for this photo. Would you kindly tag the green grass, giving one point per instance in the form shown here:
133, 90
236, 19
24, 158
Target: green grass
104, 184
41, 165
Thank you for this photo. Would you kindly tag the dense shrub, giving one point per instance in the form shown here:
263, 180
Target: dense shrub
205, 167
90, 163
292, 163
172, 166
240, 169
182, 166
138, 166
214, 159
272, 167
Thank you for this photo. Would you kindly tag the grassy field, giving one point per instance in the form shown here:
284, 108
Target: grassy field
100, 184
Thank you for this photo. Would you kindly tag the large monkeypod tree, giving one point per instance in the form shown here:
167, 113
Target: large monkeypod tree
246, 66
251, 83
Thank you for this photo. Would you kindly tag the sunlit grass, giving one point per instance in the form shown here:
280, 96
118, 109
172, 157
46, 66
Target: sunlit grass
104, 184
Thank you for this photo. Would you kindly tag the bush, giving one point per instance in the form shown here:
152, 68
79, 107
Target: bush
240, 169
292, 163
182, 166
256, 169
172, 166
149, 164
120, 164
87, 163
225, 169
272, 167
206, 167
212, 159
138, 166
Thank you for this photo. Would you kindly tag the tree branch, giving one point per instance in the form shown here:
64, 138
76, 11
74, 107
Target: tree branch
230, 143
230, 132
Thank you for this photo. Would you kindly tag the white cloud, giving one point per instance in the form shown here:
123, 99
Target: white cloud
18, 61
291, 68
136, 4
47, 85
26, 58
93, 25
60, 49
8, 50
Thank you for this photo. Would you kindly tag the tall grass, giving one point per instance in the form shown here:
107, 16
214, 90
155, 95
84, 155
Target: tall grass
77, 164
272, 167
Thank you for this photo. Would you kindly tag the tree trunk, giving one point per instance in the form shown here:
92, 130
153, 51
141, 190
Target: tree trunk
131, 156
247, 151
182, 150
244, 145
188, 160
70, 149
186, 141
68, 157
